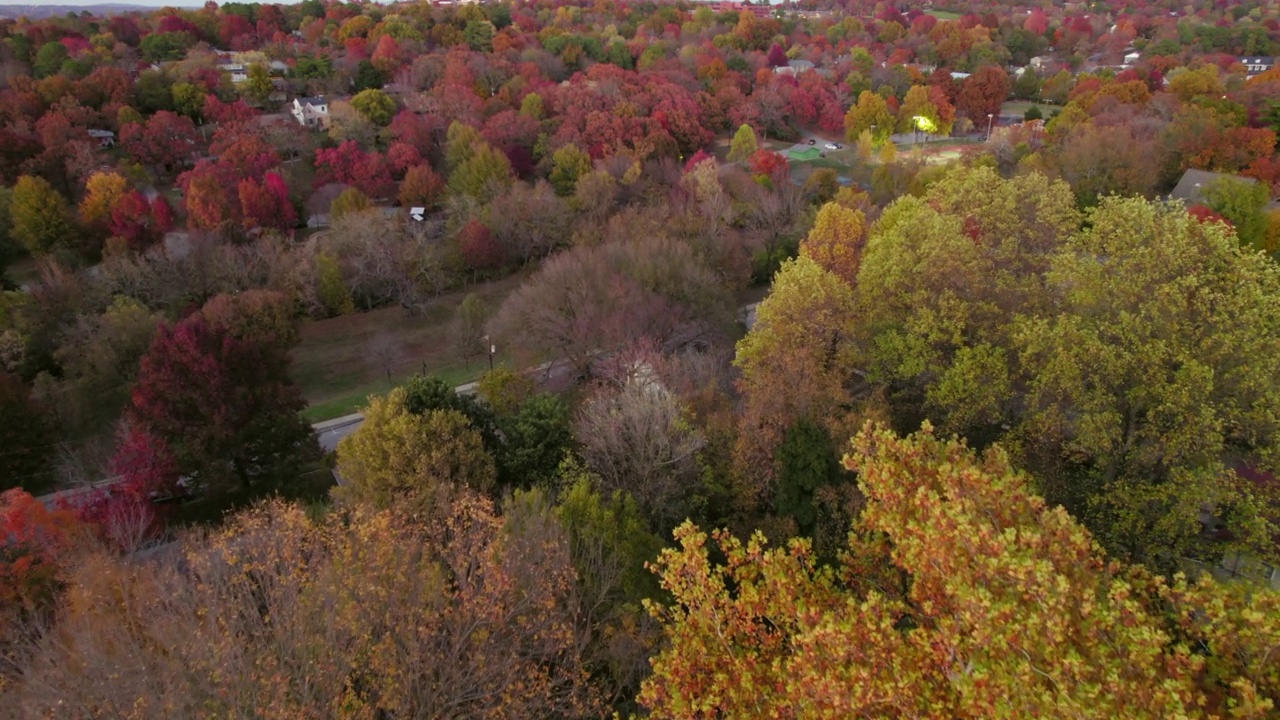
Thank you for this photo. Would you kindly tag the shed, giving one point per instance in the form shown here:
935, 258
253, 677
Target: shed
803, 153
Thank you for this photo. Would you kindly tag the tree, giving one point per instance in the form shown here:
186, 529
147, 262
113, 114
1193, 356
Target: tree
41, 220
478, 249
963, 595
1241, 203
33, 566
266, 204
258, 86
743, 144
331, 287
589, 299
469, 339
49, 59
871, 113
635, 438
481, 621
536, 437
806, 462
482, 176
375, 105
25, 435
918, 112
417, 461
982, 93
567, 165
837, 240
224, 407
103, 191
793, 362
189, 99
349, 202
479, 35
165, 143
421, 187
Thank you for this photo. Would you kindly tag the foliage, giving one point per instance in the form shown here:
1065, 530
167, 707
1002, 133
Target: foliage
567, 165
837, 240
743, 144
1241, 203
351, 201
416, 461
994, 603
41, 220
375, 105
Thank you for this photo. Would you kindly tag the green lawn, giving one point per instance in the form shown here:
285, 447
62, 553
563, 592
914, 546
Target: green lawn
337, 363
943, 14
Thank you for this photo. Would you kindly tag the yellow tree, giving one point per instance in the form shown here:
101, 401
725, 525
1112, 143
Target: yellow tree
836, 241
794, 363
964, 595
869, 114
399, 457
103, 190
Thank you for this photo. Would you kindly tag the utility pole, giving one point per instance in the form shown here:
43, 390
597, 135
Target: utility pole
488, 343
990, 119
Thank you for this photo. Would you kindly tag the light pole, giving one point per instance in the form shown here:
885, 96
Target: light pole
990, 119
488, 343
917, 119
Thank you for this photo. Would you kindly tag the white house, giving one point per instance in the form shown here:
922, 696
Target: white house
237, 71
1257, 64
312, 112
795, 67
105, 138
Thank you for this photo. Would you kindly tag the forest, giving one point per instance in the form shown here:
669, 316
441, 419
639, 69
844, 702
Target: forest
825, 360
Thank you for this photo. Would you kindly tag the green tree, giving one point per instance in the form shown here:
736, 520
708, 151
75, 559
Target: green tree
258, 87
40, 217
535, 440
532, 106
461, 141
49, 59
348, 202
479, 35
743, 145
1241, 202
484, 175
188, 99
375, 105
963, 595
331, 287
806, 462
869, 114
567, 165
406, 459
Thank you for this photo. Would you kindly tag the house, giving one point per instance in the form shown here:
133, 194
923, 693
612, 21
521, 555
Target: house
312, 112
236, 70
959, 75
105, 138
1132, 58
1190, 189
795, 67
763, 10
1258, 64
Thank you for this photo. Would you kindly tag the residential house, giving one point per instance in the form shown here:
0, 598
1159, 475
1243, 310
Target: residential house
1258, 64
105, 138
236, 70
795, 67
312, 112
1190, 189
763, 10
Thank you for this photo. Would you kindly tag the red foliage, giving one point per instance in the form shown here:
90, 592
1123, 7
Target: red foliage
1206, 214
771, 165
265, 203
414, 129
139, 222
698, 158
166, 141
478, 248
349, 165
33, 539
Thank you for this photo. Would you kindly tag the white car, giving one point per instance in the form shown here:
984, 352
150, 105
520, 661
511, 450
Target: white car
831, 146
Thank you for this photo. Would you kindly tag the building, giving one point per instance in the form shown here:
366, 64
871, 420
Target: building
312, 112
1132, 58
1258, 64
105, 138
236, 70
795, 67
761, 11
1190, 189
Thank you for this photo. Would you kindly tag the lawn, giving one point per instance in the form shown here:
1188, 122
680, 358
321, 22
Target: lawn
341, 361
943, 14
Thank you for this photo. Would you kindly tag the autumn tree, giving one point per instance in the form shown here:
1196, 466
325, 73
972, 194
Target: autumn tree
351, 201
743, 144
483, 175
412, 460
982, 93
421, 187
41, 220
375, 105
837, 240
908, 624
221, 403
793, 363
567, 165
1241, 203
103, 190
870, 114
589, 299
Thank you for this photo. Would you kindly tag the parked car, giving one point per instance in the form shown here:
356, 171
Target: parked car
831, 146
812, 141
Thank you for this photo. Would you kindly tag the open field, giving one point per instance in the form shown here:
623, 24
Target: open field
943, 14
341, 361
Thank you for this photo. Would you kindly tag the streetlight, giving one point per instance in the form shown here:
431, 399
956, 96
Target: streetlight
990, 118
918, 120
492, 349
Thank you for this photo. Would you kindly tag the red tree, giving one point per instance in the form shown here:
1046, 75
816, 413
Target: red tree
265, 203
478, 248
166, 142
222, 407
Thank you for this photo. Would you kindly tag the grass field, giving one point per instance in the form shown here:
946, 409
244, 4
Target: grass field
341, 361
943, 14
